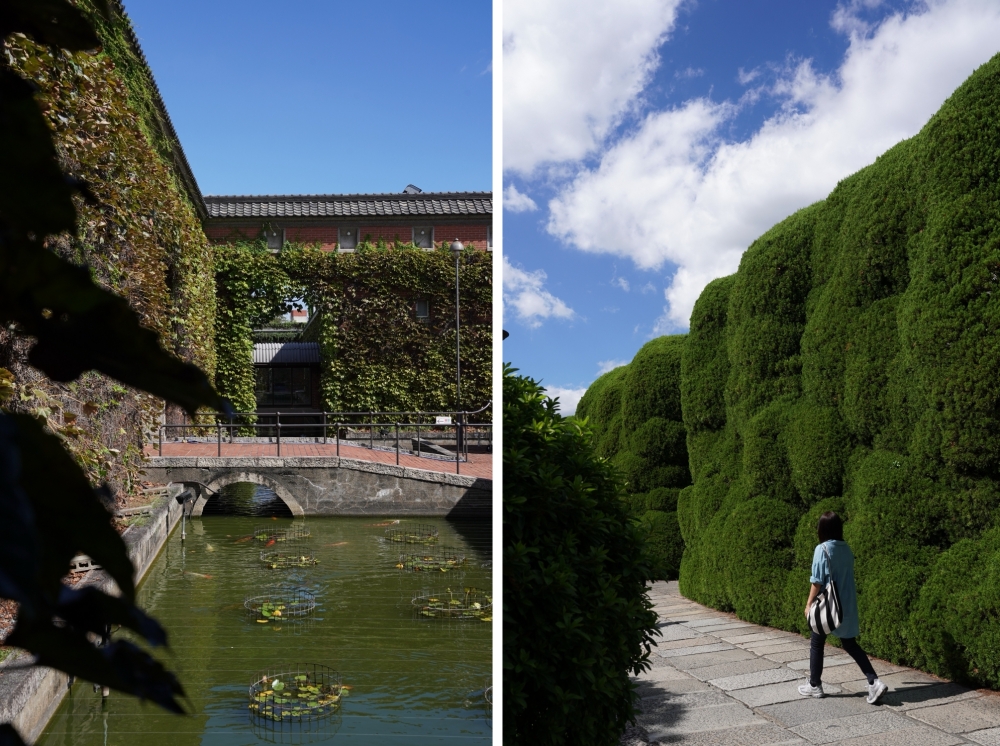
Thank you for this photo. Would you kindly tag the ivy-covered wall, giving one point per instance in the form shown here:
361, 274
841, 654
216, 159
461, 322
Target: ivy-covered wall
635, 413
376, 355
140, 236
851, 364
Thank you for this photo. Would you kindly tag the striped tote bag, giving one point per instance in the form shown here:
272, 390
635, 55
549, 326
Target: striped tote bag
825, 614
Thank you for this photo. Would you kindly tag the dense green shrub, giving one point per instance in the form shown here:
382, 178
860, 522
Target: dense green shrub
576, 617
851, 364
635, 413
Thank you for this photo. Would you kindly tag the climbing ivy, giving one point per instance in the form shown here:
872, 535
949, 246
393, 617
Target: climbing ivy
139, 236
376, 355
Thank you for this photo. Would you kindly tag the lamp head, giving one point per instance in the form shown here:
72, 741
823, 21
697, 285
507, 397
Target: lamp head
457, 248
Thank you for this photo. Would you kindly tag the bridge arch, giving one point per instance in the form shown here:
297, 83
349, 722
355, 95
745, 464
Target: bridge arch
235, 477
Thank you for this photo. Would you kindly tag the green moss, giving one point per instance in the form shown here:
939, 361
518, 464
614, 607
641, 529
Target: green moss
851, 364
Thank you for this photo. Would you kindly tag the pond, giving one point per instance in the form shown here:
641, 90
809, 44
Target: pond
410, 678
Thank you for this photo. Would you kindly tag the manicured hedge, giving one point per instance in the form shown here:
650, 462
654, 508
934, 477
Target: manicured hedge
576, 617
635, 413
852, 362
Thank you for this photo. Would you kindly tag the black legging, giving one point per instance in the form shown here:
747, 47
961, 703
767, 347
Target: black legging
850, 646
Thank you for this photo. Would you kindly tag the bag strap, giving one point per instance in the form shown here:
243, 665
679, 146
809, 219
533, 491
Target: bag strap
829, 559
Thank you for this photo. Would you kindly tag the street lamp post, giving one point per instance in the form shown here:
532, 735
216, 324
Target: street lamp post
456, 251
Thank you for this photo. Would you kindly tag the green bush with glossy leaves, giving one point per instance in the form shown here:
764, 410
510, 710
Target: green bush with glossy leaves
576, 620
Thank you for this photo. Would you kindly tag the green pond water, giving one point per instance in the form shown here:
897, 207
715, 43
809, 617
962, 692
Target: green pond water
414, 679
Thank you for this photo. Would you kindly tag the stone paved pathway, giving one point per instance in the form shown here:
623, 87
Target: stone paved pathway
478, 465
718, 680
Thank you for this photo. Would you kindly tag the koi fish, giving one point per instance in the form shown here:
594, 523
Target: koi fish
338, 544
384, 523
243, 539
271, 542
198, 575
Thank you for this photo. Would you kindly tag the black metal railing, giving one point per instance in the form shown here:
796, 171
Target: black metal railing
443, 436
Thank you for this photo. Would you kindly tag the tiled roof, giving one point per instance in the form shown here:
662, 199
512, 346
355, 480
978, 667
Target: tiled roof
429, 204
272, 353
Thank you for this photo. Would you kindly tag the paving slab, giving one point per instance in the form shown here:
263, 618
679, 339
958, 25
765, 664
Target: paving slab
677, 632
685, 721
828, 662
714, 647
664, 673
688, 642
710, 621
734, 668
775, 646
755, 734
739, 636
789, 655
757, 678
921, 735
987, 737
961, 717
815, 710
723, 627
910, 698
772, 694
840, 729
840, 674
688, 662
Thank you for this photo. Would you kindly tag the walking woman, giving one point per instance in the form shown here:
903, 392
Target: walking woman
833, 559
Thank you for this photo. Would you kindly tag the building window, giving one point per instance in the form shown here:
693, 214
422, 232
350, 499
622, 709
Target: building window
489, 238
274, 236
423, 309
347, 238
283, 387
423, 237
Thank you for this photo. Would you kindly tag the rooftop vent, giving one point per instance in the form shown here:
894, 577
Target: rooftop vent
410, 189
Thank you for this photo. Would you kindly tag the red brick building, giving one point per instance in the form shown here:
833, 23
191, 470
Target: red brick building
337, 222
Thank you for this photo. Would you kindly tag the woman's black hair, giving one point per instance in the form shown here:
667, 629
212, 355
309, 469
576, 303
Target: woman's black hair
831, 527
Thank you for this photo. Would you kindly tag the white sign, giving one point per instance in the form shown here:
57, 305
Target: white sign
442, 420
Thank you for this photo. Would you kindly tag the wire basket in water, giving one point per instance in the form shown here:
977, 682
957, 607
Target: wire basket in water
271, 535
468, 603
415, 534
304, 692
280, 605
432, 559
285, 560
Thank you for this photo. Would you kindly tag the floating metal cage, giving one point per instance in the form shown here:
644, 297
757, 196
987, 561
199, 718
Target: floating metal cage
418, 533
432, 559
279, 605
467, 603
306, 692
285, 560
271, 535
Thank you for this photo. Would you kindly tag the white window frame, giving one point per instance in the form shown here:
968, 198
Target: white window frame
414, 236
340, 232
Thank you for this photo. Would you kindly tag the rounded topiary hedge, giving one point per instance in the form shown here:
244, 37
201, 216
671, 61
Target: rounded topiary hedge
576, 620
635, 413
851, 363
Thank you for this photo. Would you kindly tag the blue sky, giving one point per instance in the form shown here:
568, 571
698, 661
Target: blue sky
648, 142
306, 96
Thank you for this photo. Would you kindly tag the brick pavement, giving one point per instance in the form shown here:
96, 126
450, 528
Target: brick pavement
719, 681
478, 465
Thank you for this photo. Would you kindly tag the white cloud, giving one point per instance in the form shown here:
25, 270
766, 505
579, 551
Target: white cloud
523, 291
568, 398
622, 283
675, 191
514, 201
605, 365
572, 69
690, 72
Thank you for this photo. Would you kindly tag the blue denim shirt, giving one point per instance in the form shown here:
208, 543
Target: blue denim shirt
843, 579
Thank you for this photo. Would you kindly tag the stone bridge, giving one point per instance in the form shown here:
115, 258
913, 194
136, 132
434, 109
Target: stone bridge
335, 486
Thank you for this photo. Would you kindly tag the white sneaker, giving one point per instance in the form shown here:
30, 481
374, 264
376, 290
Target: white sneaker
808, 690
875, 691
